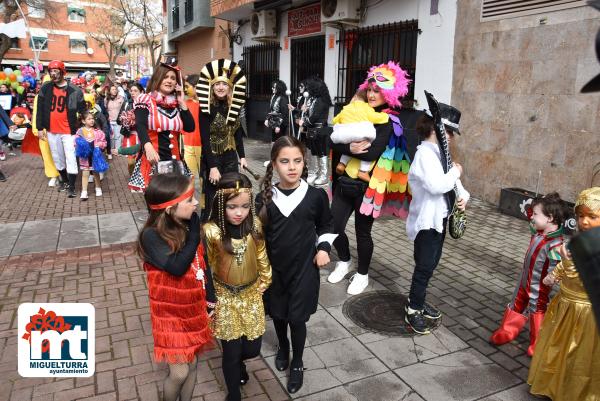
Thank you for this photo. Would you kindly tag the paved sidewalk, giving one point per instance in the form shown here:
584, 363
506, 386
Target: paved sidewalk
471, 286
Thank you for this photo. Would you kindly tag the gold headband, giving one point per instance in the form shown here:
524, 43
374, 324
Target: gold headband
589, 197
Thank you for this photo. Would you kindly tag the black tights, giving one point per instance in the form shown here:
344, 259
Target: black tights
298, 334
234, 353
342, 207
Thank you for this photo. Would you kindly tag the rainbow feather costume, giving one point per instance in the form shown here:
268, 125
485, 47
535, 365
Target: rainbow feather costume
388, 192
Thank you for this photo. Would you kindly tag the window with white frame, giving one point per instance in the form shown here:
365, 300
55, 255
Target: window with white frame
76, 14
36, 12
14, 43
78, 45
39, 43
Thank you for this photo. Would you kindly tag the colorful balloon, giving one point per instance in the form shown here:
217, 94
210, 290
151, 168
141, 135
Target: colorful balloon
12, 77
20, 78
20, 90
8, 70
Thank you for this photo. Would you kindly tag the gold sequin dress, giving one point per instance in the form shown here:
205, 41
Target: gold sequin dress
566, 362
237, 279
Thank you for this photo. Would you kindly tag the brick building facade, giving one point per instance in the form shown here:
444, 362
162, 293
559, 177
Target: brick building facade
203, 46
63, 35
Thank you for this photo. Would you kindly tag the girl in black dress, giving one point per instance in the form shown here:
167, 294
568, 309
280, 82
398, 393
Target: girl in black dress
299, 232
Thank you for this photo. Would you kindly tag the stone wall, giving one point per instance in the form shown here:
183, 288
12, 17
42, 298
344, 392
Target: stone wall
517, 84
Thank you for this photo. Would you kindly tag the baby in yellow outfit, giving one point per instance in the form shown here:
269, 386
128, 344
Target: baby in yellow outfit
354, 124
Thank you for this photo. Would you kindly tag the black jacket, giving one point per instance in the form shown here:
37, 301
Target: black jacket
75, 104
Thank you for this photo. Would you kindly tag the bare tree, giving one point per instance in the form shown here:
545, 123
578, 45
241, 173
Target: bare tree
9, 11
146, 18
112, 31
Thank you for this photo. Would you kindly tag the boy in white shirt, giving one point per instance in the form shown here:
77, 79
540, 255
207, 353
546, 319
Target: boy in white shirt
432, 200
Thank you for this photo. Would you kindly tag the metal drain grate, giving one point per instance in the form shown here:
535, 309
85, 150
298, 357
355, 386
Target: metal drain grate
381, 312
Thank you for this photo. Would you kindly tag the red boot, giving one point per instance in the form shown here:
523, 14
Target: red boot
509, 329
535, 322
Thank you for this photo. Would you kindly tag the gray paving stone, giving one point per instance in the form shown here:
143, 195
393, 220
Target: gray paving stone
338, 314
118, 234
316, 381
79, 232
341, 352
518, 393
358, 369
124, 219
440, 342
395, 352
37, 236
322, 328
9, 232
310, 359
333, 294
383, 387
335, 394
460, 376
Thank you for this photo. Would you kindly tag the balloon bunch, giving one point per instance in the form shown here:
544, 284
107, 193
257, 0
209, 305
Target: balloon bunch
19, 79
144, 81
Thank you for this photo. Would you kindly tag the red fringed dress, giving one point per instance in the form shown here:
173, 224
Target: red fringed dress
178, 310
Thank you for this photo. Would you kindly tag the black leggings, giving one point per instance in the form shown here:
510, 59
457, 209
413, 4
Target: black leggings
298, 334
342, 207
317, 145
234, 353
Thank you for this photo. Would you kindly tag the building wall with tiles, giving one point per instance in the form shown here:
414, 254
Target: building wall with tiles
197, 49
517, 83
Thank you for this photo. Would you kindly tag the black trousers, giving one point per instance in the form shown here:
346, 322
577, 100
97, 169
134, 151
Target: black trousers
234, 353
342, 207
427, 254
226, 163
317, 144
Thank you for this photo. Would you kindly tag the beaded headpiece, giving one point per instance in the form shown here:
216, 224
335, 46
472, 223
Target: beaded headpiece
220, 199
222, 70
391, 79
589, 197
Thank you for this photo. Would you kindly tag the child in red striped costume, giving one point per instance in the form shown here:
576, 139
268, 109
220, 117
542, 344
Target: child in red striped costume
531, 295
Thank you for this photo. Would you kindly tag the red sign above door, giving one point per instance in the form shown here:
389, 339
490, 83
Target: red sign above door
304, 20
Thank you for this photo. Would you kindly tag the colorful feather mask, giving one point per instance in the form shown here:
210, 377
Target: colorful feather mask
391, 79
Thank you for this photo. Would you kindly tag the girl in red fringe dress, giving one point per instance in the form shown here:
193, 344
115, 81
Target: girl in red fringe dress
179, 281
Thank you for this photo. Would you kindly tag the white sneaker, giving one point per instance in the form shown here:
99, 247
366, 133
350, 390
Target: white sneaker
91, 178
52, 182
98, 191
101, 176
358, 283
266, 164
84, 196
109, 157
340, 271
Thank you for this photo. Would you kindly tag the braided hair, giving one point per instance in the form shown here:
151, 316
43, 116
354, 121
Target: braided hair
267, 182
230, 186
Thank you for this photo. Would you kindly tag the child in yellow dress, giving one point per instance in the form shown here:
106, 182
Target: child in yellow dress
354, 124
566, 363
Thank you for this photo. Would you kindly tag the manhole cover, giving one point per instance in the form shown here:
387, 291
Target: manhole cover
381, 312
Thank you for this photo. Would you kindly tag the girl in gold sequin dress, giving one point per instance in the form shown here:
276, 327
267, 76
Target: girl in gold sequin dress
566, 362
241, 273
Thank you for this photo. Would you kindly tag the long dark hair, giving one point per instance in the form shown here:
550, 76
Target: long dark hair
163, 188
280, 87
157, 77
267, 184
84, 115
316, 87
217, 213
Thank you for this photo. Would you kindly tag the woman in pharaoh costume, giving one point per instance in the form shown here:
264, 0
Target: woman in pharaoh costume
221, 92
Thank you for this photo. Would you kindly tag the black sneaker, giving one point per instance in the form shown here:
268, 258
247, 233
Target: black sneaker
62, 187
428, 311
2, 177
244, 377
71, 192
431, 313
417, 322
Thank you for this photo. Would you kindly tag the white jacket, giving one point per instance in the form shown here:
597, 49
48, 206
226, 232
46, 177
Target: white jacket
428, 184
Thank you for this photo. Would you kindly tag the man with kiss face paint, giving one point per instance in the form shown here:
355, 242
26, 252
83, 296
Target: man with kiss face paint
56, 119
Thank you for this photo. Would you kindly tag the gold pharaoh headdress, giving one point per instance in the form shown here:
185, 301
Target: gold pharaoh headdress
222, 70
589, 197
